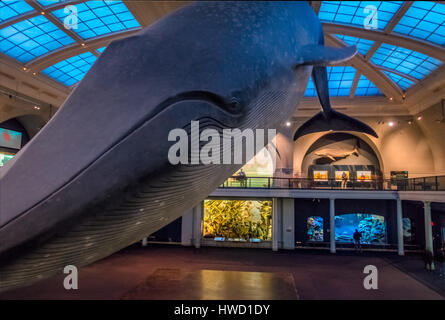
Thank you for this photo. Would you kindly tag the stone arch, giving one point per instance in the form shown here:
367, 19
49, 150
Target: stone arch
369, 154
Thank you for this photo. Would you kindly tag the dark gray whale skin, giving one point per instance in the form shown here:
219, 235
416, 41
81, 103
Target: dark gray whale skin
96, 178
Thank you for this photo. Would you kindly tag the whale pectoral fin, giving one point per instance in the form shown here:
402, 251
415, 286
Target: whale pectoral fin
320, 55
329, 119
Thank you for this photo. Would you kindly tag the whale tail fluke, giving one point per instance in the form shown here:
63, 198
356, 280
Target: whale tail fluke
335, 122
329, 119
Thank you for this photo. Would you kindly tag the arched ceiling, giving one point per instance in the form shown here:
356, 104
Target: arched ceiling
401, 48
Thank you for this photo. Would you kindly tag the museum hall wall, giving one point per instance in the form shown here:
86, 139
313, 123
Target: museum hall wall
418, 147
30, 115
433, 129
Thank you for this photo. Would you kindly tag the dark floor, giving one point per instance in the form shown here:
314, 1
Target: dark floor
158, 272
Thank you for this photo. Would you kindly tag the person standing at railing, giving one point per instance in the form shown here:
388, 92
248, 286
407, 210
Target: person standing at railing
344, 180
242, 178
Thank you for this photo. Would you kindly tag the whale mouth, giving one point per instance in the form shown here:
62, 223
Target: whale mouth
232, 107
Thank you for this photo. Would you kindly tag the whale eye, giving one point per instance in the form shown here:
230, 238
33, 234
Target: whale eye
234, 103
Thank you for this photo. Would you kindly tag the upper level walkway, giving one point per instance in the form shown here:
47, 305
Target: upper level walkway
416, 189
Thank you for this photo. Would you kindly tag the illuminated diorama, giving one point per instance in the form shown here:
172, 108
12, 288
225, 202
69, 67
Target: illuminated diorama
340, 175
10, 143
363, 175
320, 175
237, 220
5, 157
315, 228
408, 230
371, 226
10, 139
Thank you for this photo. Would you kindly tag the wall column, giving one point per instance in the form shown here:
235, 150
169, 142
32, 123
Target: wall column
276, 223
284, 143
428, 229
400, 245
332, 224
187, 228
197, 220
288, 223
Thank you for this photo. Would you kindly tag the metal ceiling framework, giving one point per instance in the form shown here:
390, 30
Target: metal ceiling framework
422, 92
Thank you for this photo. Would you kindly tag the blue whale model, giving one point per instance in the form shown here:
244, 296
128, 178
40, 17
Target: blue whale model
97, 178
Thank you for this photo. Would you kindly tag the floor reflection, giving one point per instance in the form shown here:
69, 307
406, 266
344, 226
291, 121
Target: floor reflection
215, 285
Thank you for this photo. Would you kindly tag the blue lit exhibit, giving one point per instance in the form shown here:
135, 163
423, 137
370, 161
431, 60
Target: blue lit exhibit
222, 150
408, 232
315, 228
372, 228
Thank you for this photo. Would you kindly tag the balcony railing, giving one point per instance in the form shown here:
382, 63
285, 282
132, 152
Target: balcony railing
436, 183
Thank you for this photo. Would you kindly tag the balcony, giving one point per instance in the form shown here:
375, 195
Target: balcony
435, 183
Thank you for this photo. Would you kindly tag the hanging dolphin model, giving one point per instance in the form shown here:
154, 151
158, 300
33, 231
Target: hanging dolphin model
97, 178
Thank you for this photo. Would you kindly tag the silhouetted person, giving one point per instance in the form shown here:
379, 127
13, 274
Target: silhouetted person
440, 259
242, 178
428, 259
357, 237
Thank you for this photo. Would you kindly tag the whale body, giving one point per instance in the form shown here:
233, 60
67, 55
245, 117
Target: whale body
96, 178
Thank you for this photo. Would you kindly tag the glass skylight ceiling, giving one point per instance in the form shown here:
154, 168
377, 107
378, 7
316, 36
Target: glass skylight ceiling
11, 9
28, 39
97, 18
404, 60
72, 69
366, 88
340, 82
310, 89
37, 37
47, 3
353, 12
401, 81
363, 45
424, 20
